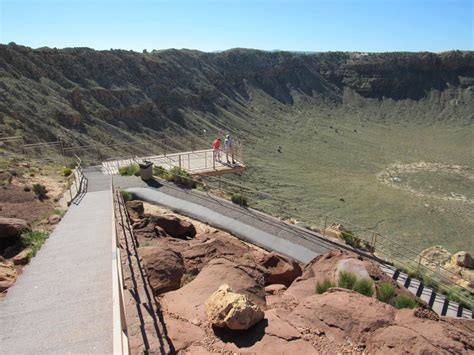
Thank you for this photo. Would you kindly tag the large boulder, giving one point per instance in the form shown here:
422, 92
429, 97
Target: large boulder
174, 226
227, 309
164, 268
281, 270
328, 267
145, 228
241, 274
7, 274
463, 259
13, 227
210, 246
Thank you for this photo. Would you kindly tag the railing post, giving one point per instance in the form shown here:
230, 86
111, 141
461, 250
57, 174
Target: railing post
189, 162
179, 159
325, 225
418, 266
374, 241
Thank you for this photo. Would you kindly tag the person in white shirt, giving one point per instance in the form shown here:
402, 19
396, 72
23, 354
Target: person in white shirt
229, 148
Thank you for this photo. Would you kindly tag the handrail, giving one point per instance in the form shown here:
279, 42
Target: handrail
120, 336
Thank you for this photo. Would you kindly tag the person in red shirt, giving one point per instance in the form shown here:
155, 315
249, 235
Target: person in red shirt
216, 146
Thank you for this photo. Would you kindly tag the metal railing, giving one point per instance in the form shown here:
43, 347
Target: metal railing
76, 181
194, 162
120, 336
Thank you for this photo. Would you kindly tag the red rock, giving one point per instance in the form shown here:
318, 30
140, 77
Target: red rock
135, 209
54, 219
342, 313
13, 227
164, 268
281, 270
275, 289
174, 226
241, 275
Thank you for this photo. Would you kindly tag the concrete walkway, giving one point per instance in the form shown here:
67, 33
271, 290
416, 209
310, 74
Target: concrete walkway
247, 224
62, 302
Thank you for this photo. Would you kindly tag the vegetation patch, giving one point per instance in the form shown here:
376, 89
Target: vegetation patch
180, 177
130, 170
34, 240
347, 280
40, 191
126, 195
364, 287
385, 292
404, 301
67, 171
239, 199
59, 212
322, 287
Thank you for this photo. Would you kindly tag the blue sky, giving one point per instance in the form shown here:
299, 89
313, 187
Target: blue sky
209, 25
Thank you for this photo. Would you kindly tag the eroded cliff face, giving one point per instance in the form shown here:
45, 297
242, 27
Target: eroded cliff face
80, 94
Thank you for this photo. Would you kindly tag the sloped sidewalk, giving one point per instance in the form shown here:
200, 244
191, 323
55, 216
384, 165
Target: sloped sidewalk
62, 302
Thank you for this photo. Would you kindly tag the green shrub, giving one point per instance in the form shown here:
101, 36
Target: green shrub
59, 212
126, 195
352, 240
40, 191
239, 199
67, 171
129, 170
33, 240
180, 177
385, 292
347, 280
160, 171
364, 287
324, 286
404, 301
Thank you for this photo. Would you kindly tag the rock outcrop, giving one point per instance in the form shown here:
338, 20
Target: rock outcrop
231, 310
12, 227
463, 259
281, 270
164, 268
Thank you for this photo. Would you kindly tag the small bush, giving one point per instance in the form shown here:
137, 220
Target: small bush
33, 240
385, 292
324, 286
364, 287
160, 171
352, 240
126, 195
67, 171
180, 177
40, 191
404, 301
347, 280
59, 212
129, 170
239, 199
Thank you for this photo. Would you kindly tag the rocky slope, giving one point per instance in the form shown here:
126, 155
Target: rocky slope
81, 95
217, 294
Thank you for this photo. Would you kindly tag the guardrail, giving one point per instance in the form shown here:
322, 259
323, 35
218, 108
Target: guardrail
193, 161
75, 181
120, 336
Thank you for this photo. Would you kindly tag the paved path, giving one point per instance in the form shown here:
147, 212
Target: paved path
247, 224
62, 302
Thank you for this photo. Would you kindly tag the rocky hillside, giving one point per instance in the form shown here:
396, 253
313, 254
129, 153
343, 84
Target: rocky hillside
81, 95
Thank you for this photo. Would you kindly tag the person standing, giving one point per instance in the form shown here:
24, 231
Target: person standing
229, 148
216, 146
